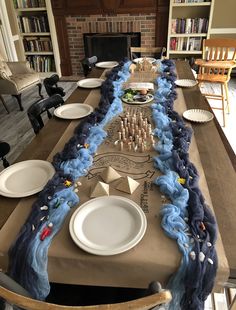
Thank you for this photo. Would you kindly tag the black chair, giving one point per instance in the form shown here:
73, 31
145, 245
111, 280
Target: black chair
88, 64
36, 109
4, 150
51, 86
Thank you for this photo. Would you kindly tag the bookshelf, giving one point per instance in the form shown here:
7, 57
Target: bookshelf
38, 35
189, 23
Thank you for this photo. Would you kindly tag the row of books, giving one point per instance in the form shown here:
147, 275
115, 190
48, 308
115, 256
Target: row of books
38, 44
186, 44
18, 4
189, 25
42, 63
38, 23
190, 1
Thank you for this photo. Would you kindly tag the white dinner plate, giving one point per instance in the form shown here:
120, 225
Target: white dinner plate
186, 83
25, 178
150, 59
108, 225
199, 116
107, 64
73, 110
90, 83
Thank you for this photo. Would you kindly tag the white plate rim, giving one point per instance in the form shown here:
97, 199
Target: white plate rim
187, 115
182, 83
23, 163
137, 238
71, 105
80, 82
138, 102
140, 59
105, 64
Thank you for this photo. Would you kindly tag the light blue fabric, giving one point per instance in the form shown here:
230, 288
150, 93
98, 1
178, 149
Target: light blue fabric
173, 214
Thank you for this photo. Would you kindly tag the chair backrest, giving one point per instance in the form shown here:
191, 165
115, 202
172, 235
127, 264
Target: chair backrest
145, 303
36, 109
88, 64
157, 52
219, 49
51, 86
218, 59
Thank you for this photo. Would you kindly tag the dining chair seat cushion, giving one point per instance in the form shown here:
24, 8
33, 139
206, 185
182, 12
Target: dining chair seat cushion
25, 80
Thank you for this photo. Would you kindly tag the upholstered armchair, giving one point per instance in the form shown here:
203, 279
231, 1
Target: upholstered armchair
16, 77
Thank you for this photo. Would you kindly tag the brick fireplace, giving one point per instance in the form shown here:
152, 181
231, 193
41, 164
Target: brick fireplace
73, 18
123, 23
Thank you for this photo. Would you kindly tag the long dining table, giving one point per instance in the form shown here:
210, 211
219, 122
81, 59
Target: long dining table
150, 259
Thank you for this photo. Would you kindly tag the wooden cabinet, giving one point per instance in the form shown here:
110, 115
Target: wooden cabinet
189, 23
38, 35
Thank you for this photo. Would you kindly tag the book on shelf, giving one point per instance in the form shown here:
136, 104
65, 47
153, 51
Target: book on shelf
37, 23
195, 44
42, 63
185, 44
189, 25
25, 4
37, 44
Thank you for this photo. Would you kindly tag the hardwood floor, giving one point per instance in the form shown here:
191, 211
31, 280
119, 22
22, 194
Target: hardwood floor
15, 127
230, 128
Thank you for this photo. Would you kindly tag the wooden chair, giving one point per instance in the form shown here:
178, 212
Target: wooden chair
145, 303
219, 58
157, 52
16, 295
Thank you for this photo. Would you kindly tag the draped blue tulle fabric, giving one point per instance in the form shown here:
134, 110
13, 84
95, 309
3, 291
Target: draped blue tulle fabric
185, 217
28, 256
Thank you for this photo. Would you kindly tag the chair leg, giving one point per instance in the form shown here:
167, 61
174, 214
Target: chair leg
223, 103
18, 98
5, 162
227, 97
40, 88
3, 102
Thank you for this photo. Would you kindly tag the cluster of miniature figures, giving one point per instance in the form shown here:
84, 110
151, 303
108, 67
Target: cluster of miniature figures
135, 133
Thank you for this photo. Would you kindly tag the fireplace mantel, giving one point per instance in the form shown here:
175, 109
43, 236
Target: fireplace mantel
65, 8
81, 7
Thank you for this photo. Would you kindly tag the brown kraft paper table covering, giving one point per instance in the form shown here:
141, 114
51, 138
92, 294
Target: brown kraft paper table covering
156, 257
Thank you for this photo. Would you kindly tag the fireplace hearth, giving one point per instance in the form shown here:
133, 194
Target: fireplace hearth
110, 46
